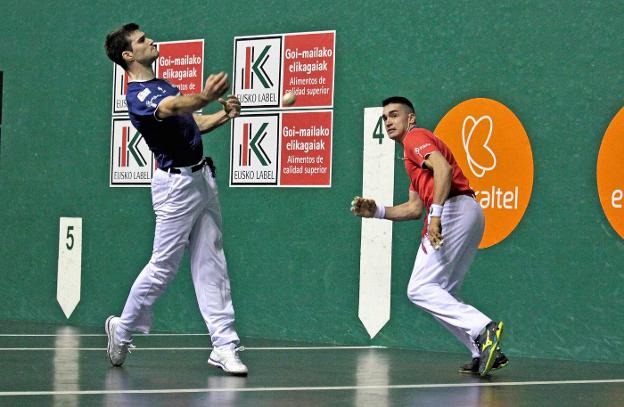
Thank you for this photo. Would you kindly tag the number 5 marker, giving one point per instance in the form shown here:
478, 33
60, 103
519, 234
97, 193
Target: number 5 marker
69, 264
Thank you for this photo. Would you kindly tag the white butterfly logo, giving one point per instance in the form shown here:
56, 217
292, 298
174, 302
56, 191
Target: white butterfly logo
468, 131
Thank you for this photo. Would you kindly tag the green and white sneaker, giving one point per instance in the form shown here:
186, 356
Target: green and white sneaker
488, 342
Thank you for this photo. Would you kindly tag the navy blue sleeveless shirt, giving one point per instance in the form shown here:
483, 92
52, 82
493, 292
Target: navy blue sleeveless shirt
175, 140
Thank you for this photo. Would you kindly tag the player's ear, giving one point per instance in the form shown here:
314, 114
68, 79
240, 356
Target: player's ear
411, 119
127, 56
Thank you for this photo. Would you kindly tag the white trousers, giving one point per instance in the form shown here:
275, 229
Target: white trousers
187, 215
439, 274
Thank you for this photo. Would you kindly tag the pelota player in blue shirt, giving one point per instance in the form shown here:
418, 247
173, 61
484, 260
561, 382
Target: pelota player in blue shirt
184, 197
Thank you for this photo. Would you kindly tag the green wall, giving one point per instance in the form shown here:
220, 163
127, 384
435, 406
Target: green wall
294, 253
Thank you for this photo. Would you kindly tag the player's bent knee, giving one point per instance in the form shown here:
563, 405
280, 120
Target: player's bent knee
416, 294
422, 294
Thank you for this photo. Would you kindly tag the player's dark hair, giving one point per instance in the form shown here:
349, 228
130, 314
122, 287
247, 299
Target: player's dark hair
118, 41
400, 100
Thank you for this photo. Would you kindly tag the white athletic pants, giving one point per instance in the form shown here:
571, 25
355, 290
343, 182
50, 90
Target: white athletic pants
187, 215
438, 274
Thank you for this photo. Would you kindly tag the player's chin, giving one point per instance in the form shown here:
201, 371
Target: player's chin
393, 135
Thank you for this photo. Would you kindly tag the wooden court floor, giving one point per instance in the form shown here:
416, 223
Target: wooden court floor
45, 365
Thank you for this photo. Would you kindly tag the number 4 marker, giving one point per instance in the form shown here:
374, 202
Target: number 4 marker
376, 238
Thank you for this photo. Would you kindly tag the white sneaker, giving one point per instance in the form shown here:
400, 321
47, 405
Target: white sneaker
228, 360
116, 350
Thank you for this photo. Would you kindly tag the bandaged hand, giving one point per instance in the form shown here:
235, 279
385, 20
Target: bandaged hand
434, 232
363, 207
231, 106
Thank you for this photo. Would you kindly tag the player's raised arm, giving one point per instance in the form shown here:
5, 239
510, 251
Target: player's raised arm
215, 86
368, 208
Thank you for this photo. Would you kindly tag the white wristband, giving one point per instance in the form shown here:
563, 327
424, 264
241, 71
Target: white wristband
380, 212
435, 210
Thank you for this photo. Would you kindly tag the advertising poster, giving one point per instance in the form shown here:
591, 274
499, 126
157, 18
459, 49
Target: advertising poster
275, 143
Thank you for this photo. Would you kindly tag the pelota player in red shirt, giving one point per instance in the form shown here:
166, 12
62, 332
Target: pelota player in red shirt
451, 235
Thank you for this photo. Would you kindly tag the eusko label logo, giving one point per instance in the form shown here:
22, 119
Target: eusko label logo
131, 160
494, 152
129, 150
257, 70
251, 145
255, 150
